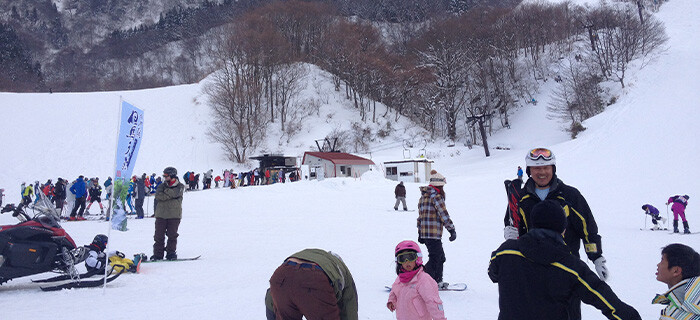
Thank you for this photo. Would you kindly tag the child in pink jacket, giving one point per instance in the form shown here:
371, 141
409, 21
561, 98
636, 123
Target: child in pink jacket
414, 294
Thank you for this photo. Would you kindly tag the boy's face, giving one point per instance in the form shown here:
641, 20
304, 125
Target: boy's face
669, 276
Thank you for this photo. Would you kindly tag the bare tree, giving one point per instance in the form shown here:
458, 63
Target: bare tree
236, 98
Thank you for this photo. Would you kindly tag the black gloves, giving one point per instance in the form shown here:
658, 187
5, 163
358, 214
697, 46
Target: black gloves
453, 234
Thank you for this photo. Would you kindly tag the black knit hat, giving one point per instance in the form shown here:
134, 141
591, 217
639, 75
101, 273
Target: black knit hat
548, 214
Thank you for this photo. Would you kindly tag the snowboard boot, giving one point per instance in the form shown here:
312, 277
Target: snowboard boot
686, 229
443, 285
156, 258
396, 209
171, 256
675, 226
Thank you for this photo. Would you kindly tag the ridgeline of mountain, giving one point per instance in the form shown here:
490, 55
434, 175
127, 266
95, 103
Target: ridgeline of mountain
91, 45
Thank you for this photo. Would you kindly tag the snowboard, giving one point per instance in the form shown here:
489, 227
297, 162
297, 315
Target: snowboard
401, 210
178, 259
649, 229
681, 233
451, 287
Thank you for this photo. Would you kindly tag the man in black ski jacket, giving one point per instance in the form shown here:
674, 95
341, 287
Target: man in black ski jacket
538, 278
543, 184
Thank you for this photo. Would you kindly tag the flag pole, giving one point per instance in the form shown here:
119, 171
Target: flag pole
110, 211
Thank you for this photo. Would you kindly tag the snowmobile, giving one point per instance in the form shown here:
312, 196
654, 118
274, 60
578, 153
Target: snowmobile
37, 245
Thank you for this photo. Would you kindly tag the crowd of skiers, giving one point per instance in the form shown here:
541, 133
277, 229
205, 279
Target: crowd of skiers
232, 179
76, 197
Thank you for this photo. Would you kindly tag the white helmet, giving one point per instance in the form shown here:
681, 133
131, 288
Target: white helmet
540, 157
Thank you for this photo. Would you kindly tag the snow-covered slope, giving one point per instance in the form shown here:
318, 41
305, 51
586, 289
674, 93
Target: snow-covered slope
640, 150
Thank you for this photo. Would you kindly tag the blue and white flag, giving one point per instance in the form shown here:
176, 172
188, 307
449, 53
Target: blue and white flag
130, 135
128, 143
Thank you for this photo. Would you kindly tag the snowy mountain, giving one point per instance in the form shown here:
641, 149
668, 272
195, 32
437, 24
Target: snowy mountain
640, 150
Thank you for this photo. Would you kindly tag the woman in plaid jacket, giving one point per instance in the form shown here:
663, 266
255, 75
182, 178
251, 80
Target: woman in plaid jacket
432, 217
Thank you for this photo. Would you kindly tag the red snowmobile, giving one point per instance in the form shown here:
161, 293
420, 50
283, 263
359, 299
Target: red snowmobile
37, 245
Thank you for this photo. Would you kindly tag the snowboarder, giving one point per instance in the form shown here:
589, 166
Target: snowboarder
432, 217
544, 184
655, 218
413, 286
216, 181
679, 269
400, 194
79, 190
168, 215
95, 192
333, 296
537, 266
678, 208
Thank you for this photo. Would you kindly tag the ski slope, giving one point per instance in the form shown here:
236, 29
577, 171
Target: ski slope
641, 150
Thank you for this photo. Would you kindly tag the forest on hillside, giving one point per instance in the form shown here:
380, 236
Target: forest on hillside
439, 64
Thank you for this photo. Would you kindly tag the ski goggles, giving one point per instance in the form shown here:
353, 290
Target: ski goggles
541, 153
407, 256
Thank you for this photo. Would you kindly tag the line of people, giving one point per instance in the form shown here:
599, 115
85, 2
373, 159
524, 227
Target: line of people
77, 196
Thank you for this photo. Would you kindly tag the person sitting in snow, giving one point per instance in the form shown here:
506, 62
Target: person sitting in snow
654, 213
96, 259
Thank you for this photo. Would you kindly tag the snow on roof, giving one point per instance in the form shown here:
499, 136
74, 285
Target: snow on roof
338, 158
409, 160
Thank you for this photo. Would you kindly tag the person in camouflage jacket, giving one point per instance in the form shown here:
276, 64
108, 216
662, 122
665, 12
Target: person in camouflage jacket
432, 217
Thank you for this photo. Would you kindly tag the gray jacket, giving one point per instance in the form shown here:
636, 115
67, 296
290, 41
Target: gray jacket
169, 200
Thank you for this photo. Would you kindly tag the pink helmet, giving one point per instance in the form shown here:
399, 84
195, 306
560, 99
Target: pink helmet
409, 245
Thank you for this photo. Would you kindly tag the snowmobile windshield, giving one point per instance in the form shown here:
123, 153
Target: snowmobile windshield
47, 221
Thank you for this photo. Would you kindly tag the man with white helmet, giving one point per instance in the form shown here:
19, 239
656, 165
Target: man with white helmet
581, 226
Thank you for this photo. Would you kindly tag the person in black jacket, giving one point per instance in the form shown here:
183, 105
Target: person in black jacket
538, 277
95, 194
59, 193
140, 195
581, 226
400, 194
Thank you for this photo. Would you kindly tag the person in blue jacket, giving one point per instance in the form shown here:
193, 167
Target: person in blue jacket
79, 189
